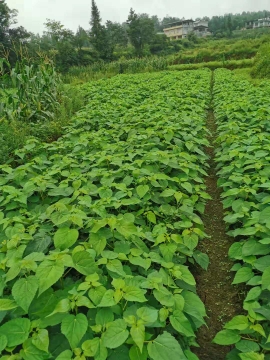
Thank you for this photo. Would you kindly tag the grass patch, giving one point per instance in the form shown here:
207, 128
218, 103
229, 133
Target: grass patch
220, 50
245, 74
212, 65
261, 67
102, 70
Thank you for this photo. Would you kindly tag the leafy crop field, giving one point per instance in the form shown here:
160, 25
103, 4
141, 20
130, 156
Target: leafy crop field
99, 228
242, 112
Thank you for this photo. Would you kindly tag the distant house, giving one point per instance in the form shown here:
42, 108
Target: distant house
201, 28
260, 23
181, 29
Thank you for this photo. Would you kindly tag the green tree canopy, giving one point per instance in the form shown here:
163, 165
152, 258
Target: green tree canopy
10, 35
98, 35
81, 38
229, 22
141, 31
57, 32
117, 34
7, 18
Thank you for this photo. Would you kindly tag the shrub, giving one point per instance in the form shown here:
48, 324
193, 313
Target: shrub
261, 67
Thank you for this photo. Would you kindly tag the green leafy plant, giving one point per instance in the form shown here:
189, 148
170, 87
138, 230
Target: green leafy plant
243, 160
98, 229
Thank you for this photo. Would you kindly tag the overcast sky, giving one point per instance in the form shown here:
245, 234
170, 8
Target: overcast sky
72, 13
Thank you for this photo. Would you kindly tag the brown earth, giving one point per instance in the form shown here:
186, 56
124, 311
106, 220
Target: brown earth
222, 300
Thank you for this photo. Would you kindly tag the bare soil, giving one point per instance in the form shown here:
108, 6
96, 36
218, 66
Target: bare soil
222, 300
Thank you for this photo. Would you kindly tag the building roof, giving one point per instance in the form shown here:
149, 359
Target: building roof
180, 22
200, 26
253, 21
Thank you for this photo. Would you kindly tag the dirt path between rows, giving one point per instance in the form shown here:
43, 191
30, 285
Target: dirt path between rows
222, 300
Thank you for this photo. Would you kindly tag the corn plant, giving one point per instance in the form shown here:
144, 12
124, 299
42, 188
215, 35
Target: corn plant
36, 90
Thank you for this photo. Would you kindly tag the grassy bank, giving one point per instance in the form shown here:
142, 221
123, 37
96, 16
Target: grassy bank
103, 70
232, 64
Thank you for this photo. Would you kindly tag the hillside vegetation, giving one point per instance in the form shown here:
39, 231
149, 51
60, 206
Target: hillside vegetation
262, 63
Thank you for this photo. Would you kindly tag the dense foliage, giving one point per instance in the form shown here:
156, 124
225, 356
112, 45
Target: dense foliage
101, 69
34, 102
243, 161
141, 31
221, 50
98, 229
261, 67
8, 32
141, 35
229, 53
35, 90
224, 25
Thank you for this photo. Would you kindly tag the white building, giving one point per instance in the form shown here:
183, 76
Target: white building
181, 29
258, 23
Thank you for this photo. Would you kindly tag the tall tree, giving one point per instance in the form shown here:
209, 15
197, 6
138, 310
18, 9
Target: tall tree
18, 35
81, 38
98, 34
62, 41
157, 23
57, 32
7, 18
10, 35
141, 31
229, 24
117, 34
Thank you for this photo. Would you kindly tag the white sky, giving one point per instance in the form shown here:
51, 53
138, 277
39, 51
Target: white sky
72, 13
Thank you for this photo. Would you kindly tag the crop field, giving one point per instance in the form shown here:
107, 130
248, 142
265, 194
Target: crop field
243, 154
134, 185
98, 228
102, 231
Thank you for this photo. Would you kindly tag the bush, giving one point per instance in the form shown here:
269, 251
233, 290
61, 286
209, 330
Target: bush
261, 67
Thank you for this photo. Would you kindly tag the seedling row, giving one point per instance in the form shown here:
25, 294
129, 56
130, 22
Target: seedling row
242, 113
